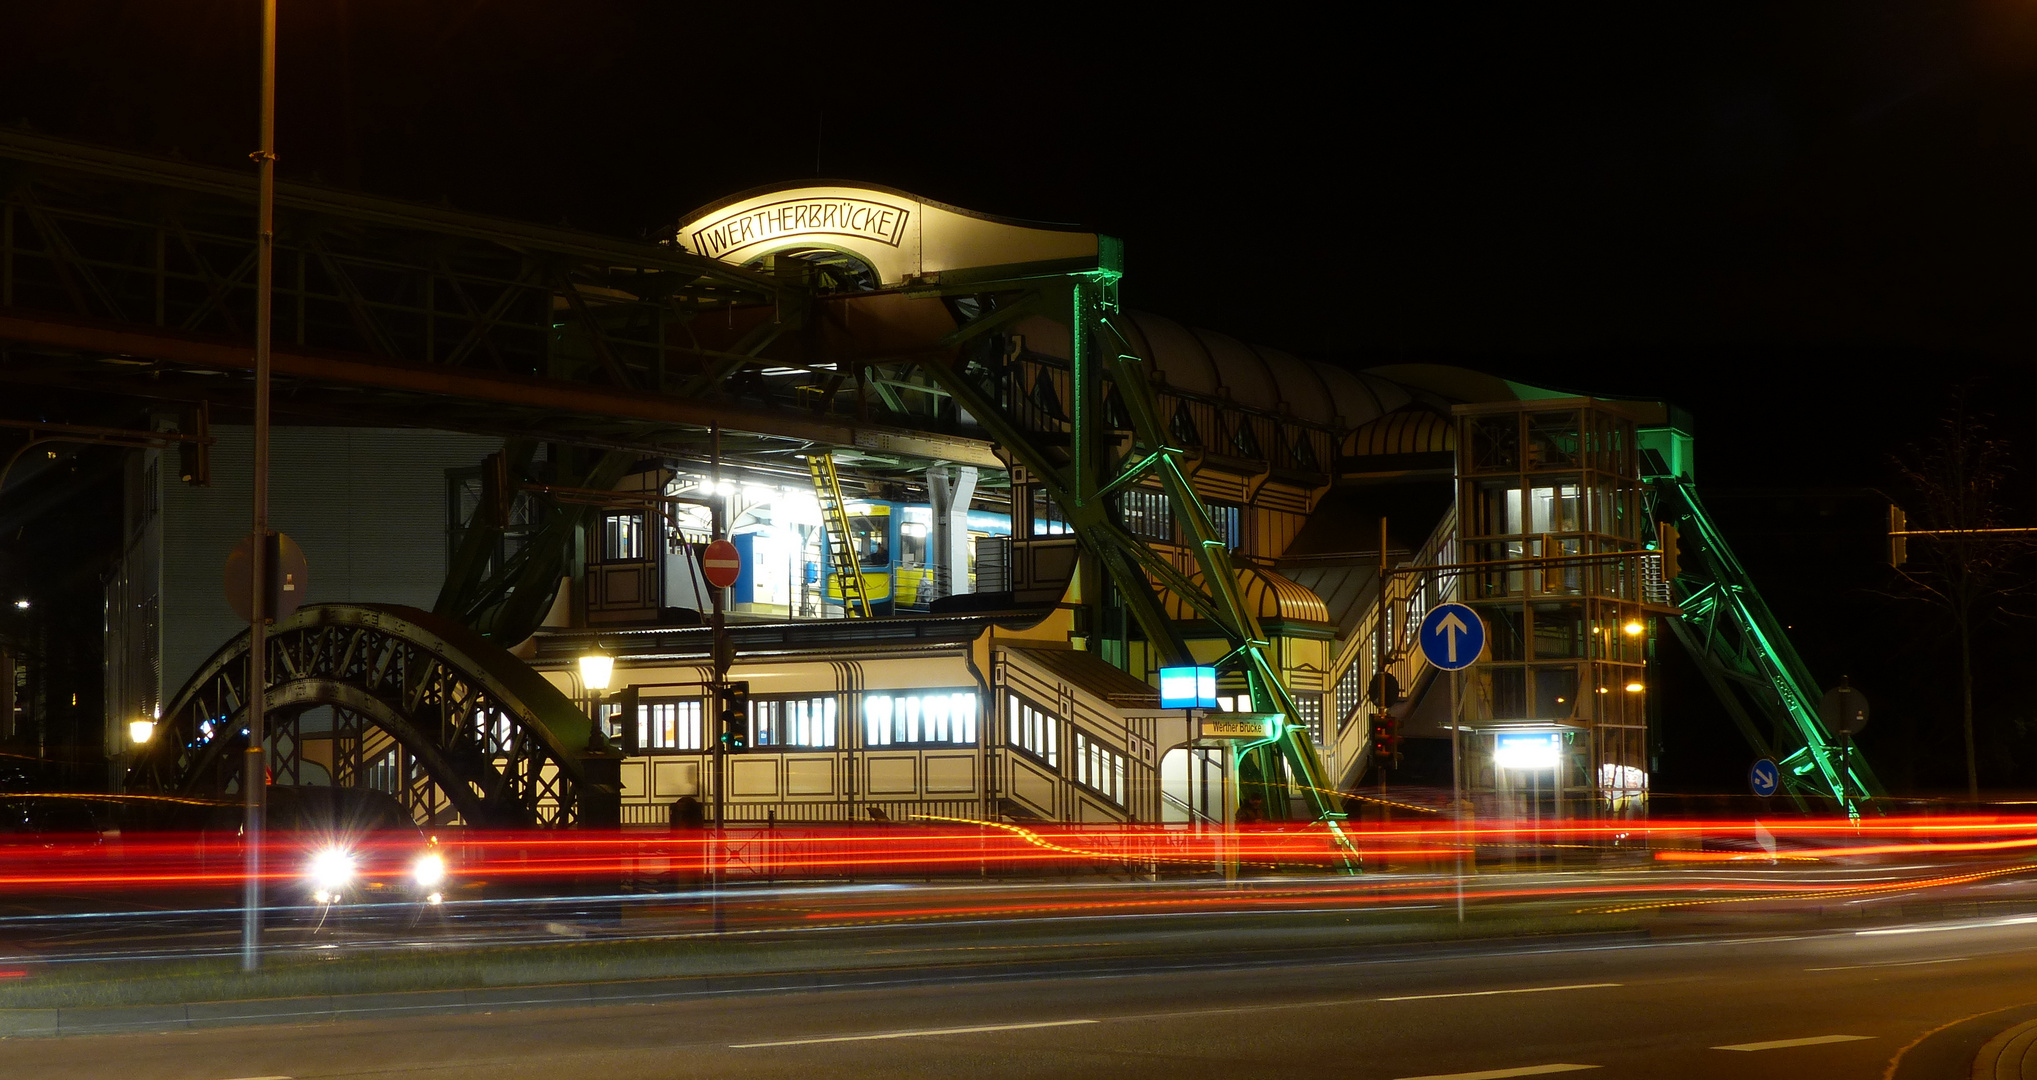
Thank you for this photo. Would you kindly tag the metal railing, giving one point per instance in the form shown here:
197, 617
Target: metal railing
1409, 595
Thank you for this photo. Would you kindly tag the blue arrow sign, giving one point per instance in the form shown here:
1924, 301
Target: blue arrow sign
1764, 778
1452, 636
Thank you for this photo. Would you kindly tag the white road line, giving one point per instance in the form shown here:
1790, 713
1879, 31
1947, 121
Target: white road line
1501, 1074
922, 1033
1779, 1044
1490, 993
1898, 963
1988, 925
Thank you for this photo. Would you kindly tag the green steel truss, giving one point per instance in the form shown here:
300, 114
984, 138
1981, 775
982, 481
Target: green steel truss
1082, 481
1747, 658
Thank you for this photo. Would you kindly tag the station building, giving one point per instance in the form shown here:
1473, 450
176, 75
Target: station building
983, 666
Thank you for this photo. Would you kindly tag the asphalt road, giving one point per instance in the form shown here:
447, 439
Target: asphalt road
1917, 1002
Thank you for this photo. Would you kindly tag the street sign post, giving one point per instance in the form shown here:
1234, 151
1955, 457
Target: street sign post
1764, 778
1452, 636
722, 564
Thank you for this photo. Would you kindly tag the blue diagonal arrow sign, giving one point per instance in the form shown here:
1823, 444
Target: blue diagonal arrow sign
1764, 778
1452, 636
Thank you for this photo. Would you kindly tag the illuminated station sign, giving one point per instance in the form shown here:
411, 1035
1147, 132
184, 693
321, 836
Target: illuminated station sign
1188, 688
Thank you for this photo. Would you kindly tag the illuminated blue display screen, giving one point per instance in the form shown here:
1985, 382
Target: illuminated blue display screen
1188, 688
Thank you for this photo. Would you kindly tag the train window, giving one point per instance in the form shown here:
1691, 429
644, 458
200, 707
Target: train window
912, 537
867, 533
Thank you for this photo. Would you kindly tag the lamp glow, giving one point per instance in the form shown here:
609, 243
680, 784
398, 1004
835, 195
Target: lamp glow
595, 668
1635, 688
140, 731
1633, 628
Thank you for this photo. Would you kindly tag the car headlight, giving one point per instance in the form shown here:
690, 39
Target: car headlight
429, 871
332, 869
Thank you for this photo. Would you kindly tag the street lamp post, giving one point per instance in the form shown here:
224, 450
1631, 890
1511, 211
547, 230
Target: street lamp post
254, 780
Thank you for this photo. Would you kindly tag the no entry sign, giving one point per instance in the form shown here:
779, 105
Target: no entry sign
721, 563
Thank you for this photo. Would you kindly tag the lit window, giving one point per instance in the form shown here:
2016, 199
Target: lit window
806, 723
1034, 730
669, 725
939, 717
622, 537
1099, 768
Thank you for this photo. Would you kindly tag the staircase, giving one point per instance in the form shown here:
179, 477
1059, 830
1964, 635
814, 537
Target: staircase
1409, 596
834, 520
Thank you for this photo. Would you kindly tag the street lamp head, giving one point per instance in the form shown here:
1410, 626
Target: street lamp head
595, 668
139, 732
1633, 628
1635, 687
22, 603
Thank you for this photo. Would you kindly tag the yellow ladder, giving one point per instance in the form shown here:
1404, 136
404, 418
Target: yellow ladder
834, 523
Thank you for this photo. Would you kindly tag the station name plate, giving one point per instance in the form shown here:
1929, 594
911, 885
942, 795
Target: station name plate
1238, 726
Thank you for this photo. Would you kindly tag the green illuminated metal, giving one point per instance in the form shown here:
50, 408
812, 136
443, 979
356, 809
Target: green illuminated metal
1082, 489
1739, 643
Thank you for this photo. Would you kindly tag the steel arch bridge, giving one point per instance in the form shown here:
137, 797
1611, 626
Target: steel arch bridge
452, 726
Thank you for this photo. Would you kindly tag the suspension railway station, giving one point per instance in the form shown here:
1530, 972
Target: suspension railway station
978, 506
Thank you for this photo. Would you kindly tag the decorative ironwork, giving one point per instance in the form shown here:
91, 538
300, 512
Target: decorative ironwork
427, 711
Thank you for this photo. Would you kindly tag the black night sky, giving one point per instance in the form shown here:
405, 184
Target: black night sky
1803, 222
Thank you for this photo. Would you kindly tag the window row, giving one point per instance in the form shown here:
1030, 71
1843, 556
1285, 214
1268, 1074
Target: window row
811, 722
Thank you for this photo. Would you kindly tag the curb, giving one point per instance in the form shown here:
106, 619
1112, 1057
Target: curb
2011, 1055
106, 1020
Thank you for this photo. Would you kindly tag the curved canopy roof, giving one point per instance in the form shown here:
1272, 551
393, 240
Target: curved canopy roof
1271, 597
1192, 360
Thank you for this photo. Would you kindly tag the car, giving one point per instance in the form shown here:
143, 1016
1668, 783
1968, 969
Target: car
356, 845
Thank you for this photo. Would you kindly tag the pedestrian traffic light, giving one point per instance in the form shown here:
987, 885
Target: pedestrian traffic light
624, 702
1666, 542
734, 717
1898, 544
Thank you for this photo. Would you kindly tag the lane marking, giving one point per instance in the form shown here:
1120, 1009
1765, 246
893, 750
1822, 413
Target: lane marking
919, 1034
1490, 993
1501, 1074
1779, 1044
1893, 963
1989, 925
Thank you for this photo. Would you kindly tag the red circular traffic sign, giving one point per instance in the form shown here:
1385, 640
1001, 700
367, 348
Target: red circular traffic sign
722, 564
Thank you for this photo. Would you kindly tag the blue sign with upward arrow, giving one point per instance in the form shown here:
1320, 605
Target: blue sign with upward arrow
1764, 778
1452, 636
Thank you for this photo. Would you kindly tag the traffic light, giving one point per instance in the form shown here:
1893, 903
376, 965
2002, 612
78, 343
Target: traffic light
1386, 740
1666, 542
194, 458
1898, 545
734, 717
625, 703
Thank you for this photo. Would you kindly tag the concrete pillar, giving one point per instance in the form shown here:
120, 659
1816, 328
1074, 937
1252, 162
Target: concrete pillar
948, 547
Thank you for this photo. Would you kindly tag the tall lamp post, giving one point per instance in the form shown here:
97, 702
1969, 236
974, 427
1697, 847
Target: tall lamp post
254, 780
